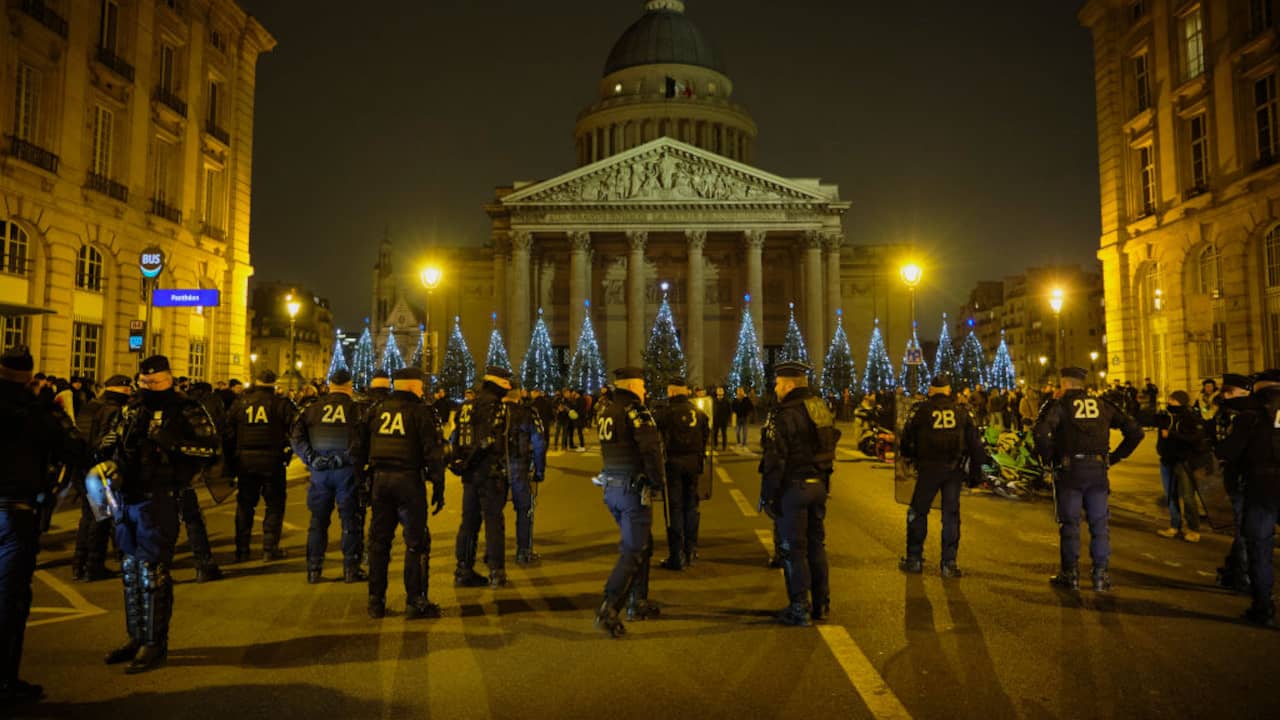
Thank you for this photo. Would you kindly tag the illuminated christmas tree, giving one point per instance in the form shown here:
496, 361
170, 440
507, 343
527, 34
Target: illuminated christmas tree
914, 379
539, 370
746, 370
415, 360
362, 364
497, 355
586, 369
1002, 375
838, 372
793, 343
663, 356
392, 360
945, 361
459, 370
973, 363
339, 361
878, 374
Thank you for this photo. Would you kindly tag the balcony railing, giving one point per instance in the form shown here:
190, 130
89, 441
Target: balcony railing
29, 152
211, 231
162, 209
218, 133
45, 16
107, 186
1194, 191
115, 63
15, 264
168, 98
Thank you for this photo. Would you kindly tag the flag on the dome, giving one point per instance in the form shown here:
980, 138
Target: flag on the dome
678, 88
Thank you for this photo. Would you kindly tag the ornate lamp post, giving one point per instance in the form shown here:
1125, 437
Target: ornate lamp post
293, 306
431, 276
1055, 303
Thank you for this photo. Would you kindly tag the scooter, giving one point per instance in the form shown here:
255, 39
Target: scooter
1014, 471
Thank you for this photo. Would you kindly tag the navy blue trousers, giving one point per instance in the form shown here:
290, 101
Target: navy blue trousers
18, 546
1083, 489
635, 520
1260, 534
329, 488
931, 481
399, 498
148, 528
802, 526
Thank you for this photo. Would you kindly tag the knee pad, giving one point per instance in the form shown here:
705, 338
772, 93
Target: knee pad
784, 551
911, 515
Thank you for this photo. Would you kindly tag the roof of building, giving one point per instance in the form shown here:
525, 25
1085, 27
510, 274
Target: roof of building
663, 35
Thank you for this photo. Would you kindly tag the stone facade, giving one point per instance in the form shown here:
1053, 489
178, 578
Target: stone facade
120, 135
1189, 138
270, 346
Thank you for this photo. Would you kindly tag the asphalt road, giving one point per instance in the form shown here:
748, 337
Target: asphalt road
998, 643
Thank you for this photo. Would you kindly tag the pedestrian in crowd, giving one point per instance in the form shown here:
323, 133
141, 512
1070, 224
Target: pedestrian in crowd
1207, 400
399, 446
579, 415
721, 412
795, 478
1029, 408
322, 437
33, 436
1181, 438
1233, 402
564, 420
634, 468
162, 440
685, 430
259, 435
443, 405
96, 419
742, 408
941, 439
1073, 434
207, 569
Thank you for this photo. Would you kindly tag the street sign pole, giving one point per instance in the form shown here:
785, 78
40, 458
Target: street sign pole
151, 264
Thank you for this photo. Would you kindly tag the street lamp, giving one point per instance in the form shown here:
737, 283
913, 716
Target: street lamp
911, 275
1093, 360
431, 276
1055, 302
293, 306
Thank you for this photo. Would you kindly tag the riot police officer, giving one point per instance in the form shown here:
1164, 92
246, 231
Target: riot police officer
259, 435
942, 439
322, 439
1073, 434
94, 419
189, 503
1254, 447
160, 443
32, 436
795, 474
1232, 403
685, 430
399, 447
634, 468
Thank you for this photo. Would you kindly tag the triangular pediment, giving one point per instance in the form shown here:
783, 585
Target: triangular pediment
666, 171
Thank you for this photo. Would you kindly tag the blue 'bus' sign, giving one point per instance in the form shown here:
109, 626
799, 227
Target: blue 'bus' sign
184, 298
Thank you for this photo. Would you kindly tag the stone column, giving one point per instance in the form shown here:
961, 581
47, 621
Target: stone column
500, 302
579, 252
637, 239
546, 300
813, 300
833, 241
693, 301
754, 240
521, 244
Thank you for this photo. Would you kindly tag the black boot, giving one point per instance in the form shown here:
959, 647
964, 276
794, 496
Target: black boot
377, 607
526, 556
672, 563
421, 608
94, 572
157, 609
911, 564
639, 607
353, 574
1067, 579
313, 576
607, 620
497, 578
1101, 578
274, 552
1262, 614
795, 615
208, 572
951, 570
132, 612
272, 525
465, 574
78, 569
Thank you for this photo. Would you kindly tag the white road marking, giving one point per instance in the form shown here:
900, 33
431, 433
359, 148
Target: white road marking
289, 526
1206, 574
741, 500
724, 476
875, 692
80, 607
766, 539
1171, 563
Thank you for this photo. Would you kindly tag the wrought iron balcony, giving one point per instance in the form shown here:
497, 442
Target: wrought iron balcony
29, 152
44, 15
115, 63
108, 187
218, 133
211, 231
170, 100
162, 209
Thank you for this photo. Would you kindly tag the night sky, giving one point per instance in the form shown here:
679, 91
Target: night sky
967, 128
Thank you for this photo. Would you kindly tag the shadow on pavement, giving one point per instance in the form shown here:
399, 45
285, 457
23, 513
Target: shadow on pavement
278, 701
294, 652
1118, 604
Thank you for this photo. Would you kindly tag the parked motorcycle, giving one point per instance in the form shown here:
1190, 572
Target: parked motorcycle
1014, 471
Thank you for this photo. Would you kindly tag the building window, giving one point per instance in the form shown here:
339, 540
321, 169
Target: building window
1260, 16
1213, 353
109, 29
89, 269
1272, 259
103, 124
162, 161
168, 67
215, 97
13, 249
196, 360
85, 338
1264, 103
16, 330
1136, 10
157, 344
212, 199
1147, 180
217, 40
26, 125
1209, 272
1141, 82
1192, 36
1198, 130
